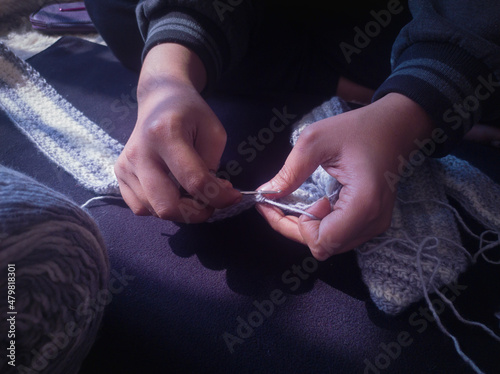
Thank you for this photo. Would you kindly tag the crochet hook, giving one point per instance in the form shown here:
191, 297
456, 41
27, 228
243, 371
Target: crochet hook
74, 9
259, 192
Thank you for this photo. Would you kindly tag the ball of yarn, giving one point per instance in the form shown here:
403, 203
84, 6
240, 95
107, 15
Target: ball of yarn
53, 258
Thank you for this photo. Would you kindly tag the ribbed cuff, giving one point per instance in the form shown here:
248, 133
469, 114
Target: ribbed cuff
452, 86
195, 32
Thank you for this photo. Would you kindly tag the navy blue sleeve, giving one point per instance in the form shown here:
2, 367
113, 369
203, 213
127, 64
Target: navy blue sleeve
447, 59
217, 31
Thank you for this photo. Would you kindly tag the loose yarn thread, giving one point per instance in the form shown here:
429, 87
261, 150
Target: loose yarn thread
100, 198
220, 214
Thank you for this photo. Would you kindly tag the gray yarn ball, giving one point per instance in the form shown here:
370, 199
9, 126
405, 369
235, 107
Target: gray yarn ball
61, 269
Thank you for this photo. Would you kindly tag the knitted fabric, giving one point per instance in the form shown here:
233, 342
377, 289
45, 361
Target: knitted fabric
420, 252
57, 128
388, 262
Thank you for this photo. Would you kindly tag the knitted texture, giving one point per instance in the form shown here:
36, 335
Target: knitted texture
61, 267
423, 236
421, 251
317, 186
57, 128
320, 183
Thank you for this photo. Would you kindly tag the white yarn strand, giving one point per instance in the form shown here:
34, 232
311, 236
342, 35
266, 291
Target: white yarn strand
100, 198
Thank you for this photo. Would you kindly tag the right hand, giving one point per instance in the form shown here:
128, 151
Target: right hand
176, 134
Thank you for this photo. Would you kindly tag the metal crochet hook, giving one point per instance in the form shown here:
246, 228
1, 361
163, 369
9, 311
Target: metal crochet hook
73, 9
259, 192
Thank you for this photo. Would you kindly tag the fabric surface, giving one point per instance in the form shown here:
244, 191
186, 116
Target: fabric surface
59, 130
396, 271
180, 291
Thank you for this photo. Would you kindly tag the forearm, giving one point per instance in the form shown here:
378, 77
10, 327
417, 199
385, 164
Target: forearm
174, 62
219, 36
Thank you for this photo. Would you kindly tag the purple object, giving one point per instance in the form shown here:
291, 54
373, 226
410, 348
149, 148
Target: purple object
63, 18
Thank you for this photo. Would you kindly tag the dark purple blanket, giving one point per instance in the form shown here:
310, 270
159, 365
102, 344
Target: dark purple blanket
234, 296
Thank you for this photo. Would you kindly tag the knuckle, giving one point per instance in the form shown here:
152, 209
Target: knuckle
307, 137
131, 153
196, 183
156, 129
320, 252
120, 168
217, 131
140, 210
220, 134
165, 127
164, 212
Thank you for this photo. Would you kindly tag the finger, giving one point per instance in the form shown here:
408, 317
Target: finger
211, 151
309, 227
299, 165
285, 225
130, 187
165, 198
192, 211
139, 207
194, 175
350, 224
320, 209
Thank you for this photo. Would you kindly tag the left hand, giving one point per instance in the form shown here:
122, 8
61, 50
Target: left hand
358, 148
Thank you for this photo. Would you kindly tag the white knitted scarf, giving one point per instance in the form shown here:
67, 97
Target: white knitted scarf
420, 253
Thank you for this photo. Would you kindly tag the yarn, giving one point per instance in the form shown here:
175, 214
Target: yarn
99, 198
61, 265
422, 250
420, 253
56, 127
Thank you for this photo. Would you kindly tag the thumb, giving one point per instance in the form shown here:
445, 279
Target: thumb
297, 168
310, 229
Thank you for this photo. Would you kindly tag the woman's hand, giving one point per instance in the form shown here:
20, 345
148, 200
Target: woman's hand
177, 140
358, 148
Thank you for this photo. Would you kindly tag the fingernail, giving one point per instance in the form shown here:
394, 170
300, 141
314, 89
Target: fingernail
267, 187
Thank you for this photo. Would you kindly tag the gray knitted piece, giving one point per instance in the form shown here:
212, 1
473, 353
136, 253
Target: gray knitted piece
422, 249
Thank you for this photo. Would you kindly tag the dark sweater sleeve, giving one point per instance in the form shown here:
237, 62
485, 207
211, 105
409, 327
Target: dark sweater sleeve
447, 59
217, 31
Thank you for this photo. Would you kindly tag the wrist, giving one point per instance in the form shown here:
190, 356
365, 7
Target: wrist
420, 124
173, 62
410, 123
